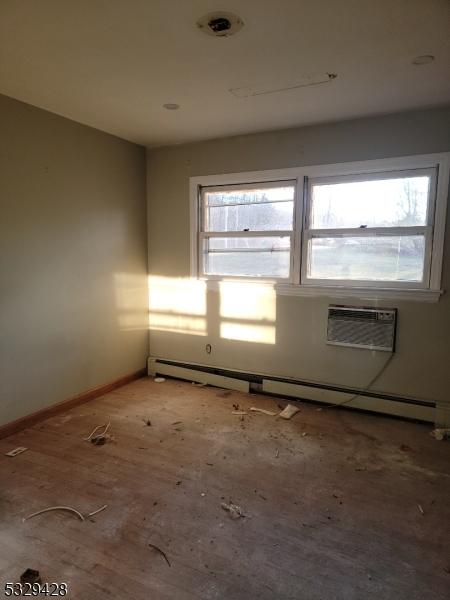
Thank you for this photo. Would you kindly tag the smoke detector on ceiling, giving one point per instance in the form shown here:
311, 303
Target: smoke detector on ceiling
220, 24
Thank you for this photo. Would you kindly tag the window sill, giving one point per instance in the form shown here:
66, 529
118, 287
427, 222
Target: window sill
361, 293
333, 291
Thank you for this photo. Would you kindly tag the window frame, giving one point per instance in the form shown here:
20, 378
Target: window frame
204, 235
370, 169
426, 230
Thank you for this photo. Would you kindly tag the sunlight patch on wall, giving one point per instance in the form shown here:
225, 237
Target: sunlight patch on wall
131, 301
177, 323
177, 295
254, 301
261, 334
248, 312
177, 305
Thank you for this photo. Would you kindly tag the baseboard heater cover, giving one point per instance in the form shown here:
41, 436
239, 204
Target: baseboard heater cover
230, 383
240, 381
391, 407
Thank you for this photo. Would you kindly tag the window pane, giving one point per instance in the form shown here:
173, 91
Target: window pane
263, 217
271, 244
262, 209
267, 264
377, 203
248, 256
380, 258
253, 195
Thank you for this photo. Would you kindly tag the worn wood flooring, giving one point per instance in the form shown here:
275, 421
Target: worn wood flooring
338, 504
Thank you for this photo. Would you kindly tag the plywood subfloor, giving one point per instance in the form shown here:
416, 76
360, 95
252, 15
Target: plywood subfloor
331, 501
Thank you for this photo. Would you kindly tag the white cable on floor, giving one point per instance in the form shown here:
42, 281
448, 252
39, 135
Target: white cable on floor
105, 427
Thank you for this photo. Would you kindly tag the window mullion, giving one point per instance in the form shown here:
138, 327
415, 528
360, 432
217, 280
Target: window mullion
296, 240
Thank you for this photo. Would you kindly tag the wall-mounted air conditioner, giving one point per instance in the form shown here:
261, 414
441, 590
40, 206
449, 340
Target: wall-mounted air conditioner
370, 328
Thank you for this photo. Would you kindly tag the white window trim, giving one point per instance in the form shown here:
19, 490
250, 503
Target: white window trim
432, 293
204, 235
425, 230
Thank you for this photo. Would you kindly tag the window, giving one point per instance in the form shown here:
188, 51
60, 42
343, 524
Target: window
370, 229
247, 231
326, 230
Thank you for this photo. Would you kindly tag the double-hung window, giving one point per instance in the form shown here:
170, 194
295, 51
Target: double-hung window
370, 229
329, 229
247, 230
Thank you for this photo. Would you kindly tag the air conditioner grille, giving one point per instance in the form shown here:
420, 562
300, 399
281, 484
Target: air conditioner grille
369, 328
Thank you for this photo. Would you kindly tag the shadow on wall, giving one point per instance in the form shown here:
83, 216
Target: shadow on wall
231, 310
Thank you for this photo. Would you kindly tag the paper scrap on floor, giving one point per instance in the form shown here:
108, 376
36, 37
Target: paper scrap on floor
289, 411
16, 451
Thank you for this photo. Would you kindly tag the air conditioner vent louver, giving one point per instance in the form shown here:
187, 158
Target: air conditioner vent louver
371, 328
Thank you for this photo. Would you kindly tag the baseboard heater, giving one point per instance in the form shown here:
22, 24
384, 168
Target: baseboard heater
303, 390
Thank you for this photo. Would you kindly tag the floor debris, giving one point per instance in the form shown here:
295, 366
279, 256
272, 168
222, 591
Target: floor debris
16, 451
51, 508
67, 509
94, 431
147, 422
100, 440
419, 506
289, 411
264, 411
239, 412
233, 510
99, 510
159, 379
30, 576
440, 434
163, 554
198, 384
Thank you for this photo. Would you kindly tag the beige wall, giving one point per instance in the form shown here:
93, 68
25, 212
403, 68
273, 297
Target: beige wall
73, 259
421, 364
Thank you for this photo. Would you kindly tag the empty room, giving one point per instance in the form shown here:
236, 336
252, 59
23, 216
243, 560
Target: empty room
224, 299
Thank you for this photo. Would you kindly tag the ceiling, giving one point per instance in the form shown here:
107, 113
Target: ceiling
112, 64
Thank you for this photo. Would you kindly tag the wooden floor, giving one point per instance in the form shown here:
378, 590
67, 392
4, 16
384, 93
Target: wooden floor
331, 501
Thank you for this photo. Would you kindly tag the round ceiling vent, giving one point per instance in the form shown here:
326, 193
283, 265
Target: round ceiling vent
220, 24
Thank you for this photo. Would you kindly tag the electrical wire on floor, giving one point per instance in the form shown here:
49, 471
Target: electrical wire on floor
368, 386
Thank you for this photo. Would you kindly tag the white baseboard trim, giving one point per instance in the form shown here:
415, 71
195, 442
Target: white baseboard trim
390, 406
229, 383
